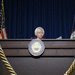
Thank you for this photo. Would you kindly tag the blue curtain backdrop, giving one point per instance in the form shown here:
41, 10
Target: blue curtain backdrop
23, 16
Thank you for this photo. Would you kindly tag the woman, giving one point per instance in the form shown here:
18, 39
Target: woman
39, 32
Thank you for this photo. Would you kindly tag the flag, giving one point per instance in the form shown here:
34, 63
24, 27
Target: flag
3, 34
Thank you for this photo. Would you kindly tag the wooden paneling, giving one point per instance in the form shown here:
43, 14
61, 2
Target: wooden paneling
53, 47
56, 59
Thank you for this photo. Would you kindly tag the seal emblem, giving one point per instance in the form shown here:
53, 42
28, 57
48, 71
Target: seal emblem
36, 47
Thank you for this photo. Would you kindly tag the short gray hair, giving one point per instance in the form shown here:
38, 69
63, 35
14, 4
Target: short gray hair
39, 28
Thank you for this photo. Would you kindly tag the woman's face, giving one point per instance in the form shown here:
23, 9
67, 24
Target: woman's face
40, 34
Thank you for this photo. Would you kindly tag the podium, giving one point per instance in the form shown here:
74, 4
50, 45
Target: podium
56, 59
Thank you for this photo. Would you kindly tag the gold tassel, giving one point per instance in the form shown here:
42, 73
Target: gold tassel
71, 69
6, 62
